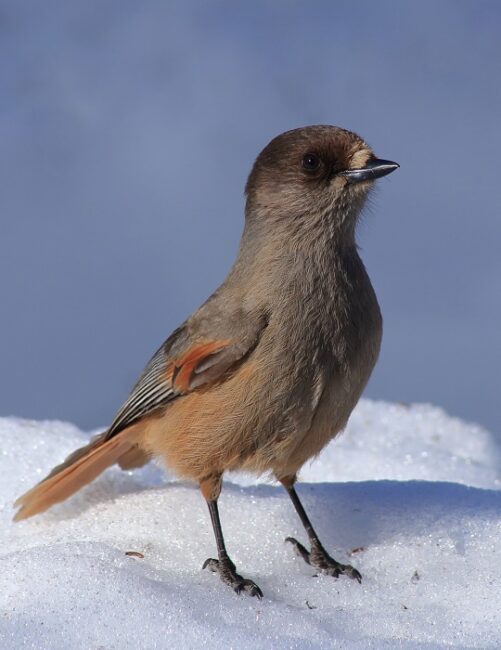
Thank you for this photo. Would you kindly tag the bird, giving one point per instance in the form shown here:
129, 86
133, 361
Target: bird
267, 371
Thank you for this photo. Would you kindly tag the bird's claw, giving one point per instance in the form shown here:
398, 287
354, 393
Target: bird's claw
228, 574
321, 560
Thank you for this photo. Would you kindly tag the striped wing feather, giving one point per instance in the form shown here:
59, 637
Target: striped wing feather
169, 375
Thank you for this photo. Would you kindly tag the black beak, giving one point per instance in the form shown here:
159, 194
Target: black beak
375, 168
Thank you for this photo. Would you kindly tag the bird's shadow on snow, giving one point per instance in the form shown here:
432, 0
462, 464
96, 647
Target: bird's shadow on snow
346, 515
376, 512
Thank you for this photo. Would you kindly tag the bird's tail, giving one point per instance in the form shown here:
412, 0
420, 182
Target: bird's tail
80, 468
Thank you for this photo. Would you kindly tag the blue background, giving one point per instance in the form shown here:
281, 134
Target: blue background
127, 130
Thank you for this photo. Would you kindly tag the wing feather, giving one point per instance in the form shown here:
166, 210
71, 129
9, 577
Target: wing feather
179, 366
152, 391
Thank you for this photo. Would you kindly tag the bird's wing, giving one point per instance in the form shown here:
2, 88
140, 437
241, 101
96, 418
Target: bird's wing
178, 367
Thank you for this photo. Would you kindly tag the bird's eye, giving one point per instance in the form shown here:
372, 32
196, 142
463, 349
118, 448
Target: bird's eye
310, 162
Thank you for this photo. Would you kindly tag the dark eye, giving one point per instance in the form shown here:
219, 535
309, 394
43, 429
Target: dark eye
310, 162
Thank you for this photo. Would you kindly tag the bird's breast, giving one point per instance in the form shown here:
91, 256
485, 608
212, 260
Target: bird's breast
331, 344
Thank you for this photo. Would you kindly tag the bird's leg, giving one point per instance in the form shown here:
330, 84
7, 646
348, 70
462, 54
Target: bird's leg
223, 565
317, 557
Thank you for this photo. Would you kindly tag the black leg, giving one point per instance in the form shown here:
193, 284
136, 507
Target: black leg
317, 557
224, 566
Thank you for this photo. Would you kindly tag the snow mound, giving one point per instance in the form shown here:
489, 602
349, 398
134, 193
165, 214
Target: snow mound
418, 513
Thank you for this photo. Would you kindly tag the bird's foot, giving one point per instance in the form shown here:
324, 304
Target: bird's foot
321, 560
228, 574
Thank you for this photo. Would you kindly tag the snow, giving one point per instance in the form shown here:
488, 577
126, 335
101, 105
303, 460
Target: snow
408, 495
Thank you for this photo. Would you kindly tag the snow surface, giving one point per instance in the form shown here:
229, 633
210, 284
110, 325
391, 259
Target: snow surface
409, 495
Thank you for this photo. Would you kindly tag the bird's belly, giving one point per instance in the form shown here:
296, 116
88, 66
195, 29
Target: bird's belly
224, 427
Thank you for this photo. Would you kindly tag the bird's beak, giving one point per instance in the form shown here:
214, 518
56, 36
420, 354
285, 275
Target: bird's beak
375, 168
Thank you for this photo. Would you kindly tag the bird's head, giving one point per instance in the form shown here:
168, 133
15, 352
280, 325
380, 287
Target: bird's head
315, 173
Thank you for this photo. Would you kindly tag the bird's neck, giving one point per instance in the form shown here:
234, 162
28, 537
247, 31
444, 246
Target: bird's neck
313, 259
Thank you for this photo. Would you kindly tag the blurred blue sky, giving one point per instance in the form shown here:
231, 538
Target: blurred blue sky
127, 130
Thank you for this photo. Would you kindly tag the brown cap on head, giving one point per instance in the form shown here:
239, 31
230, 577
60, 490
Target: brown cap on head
312, 165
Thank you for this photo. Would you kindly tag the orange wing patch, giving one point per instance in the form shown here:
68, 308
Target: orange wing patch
182, 369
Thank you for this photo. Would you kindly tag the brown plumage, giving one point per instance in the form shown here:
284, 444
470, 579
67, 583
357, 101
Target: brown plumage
269, 368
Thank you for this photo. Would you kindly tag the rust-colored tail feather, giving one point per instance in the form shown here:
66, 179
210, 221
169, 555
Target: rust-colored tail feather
80, 468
